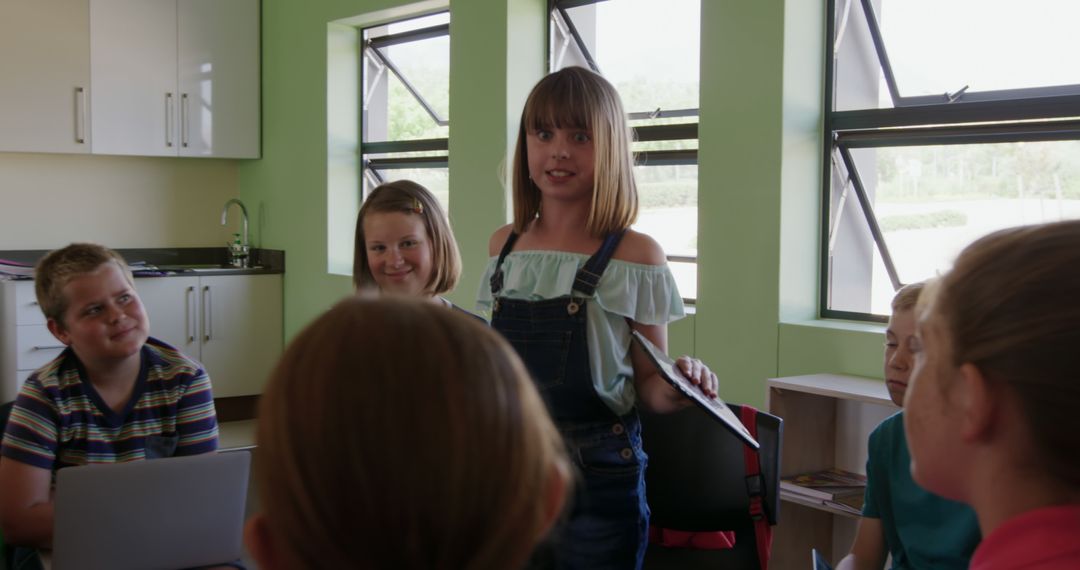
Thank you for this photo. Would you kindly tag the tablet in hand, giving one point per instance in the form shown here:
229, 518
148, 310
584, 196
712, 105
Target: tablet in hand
714, 406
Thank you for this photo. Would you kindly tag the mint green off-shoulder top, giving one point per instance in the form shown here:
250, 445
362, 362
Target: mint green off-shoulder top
646, 294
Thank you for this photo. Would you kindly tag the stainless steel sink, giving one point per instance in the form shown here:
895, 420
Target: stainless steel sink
204, 268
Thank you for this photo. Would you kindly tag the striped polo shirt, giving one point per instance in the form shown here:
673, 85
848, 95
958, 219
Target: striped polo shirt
60, 420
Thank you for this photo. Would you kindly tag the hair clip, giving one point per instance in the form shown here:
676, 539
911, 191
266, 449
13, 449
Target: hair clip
417, 208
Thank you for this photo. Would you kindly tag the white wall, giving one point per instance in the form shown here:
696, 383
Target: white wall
50, 200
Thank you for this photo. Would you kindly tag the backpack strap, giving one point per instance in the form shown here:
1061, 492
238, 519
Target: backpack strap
755, 487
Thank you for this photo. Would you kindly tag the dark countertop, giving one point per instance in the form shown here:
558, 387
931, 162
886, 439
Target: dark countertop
177, 261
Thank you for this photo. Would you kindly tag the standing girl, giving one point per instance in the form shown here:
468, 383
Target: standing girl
404, 244
567, 282
991, 409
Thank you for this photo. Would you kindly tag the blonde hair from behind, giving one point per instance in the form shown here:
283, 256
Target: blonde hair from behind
406, 196
907, 297
396, 434
59, 267
575, 97
1009, 307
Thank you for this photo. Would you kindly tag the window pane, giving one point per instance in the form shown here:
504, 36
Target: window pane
685, 278
649, 52
939, 47
932, 201
417, 23
668, 213
426, 64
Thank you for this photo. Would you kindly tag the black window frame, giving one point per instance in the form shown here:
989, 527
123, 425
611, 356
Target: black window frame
1035, 114
416, 153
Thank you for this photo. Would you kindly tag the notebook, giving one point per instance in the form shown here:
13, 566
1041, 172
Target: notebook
178, 512
714, 406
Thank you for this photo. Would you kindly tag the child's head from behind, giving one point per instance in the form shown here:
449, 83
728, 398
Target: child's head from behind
404, 243
577, 99
88, 297
396, 434
899, 339
996, 336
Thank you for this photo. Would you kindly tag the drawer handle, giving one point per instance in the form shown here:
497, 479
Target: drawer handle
50, 347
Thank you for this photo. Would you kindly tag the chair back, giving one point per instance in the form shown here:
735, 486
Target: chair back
696, 480
5, 413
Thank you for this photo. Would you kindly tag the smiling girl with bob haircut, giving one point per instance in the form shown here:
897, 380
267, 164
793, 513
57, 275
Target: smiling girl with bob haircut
991, 412
404, 243
394, 434
566, 283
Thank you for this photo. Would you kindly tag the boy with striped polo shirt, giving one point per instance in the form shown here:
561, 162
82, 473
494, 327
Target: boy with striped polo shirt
113, 395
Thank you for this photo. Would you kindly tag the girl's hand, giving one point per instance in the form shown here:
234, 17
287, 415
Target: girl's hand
697, 373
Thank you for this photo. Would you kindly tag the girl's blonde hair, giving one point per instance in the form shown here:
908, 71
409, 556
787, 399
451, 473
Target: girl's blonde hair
397, 434
408, 197
908, 295
1009, 306
576, 98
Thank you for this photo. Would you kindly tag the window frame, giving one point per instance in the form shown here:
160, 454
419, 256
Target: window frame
1033, 114
370, 168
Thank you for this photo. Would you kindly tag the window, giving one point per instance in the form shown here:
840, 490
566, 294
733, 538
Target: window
405, 103
649, 51
944, 121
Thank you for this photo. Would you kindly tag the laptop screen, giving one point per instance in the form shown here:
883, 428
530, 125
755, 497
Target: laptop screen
177, 512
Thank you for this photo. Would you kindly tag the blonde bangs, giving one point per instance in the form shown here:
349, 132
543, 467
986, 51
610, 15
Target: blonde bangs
560, 101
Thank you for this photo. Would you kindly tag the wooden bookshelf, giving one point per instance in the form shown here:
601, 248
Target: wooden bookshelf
827, 420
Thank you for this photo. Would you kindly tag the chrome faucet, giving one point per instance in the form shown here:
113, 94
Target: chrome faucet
238, 252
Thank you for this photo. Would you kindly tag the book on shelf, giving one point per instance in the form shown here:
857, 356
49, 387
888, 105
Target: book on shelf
825, 485
851, 504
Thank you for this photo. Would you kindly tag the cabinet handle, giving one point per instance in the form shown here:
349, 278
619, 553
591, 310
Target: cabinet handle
184, 119
208, 311
189, 323
49, 347
80, 115
168, 120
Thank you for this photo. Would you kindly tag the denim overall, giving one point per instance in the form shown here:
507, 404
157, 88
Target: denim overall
609, 519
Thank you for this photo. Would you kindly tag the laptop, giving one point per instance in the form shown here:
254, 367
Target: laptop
818, 561
177, 512
714, 406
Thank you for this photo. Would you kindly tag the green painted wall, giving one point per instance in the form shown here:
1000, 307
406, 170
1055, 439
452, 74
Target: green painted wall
759, 177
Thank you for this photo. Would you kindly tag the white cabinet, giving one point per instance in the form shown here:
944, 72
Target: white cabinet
232, 324
44, 75
25, 342
175, 77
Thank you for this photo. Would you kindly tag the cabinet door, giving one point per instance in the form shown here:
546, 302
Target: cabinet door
172, 303
241, 331
219, 78
44, 75
133, 64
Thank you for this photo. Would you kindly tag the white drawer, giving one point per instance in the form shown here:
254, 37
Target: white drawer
36, 346
27, 311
